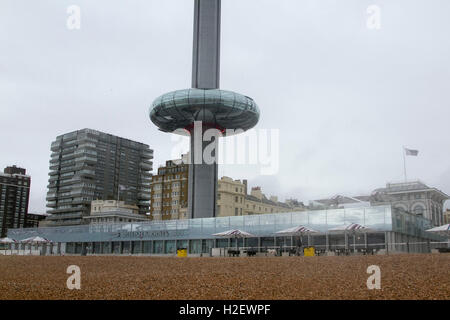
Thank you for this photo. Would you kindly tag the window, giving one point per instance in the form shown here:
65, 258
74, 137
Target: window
235, 211
418, 210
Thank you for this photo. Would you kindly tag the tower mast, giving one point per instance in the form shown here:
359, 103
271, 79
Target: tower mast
202, 189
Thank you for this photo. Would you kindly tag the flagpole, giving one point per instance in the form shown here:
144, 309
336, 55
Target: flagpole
404, 163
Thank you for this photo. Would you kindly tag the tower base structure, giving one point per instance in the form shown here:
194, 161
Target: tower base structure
202, 188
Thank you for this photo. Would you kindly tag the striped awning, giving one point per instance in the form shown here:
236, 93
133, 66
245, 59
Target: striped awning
296, 230
7, 240
234, 233
445, 227
36, 239
350, 227
443, 230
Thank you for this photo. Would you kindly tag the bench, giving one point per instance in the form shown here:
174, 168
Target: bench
233, 253
250, 253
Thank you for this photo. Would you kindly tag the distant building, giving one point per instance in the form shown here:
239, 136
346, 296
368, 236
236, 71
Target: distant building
14, 198
169, 191
340, 201
447, 216
86, 165
258, 203
413, 197
230, 197
295, 204
33, 220
233, 200
112, 211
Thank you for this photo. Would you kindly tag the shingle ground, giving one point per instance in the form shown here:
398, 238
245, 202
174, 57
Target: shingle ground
422, 276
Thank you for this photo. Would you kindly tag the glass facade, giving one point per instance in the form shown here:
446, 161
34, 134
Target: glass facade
161, 234
226, 109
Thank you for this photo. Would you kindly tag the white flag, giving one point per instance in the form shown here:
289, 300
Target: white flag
410, 152
122, 187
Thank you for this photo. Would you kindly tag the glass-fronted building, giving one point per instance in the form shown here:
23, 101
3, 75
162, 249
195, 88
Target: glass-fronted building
390, 229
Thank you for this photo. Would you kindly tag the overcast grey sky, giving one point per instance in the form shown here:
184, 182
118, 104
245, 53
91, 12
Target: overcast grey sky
345, 98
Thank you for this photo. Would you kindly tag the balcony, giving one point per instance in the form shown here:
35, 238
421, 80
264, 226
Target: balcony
146, 166
63, 210
54, 160
51, 195
51, 204
86, 159
69, 168
70, 181
71, 142
53, 173
145, 174
68, 156
147, 154
86, 173
71, 222
146, 181
64, 216
144, 196
87, 144
68, 150
53, 179
55, 145
54, 167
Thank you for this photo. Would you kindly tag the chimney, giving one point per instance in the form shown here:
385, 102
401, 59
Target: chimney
256, 192
245, 186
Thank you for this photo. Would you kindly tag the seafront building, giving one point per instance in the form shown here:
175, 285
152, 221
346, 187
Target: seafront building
414, 197
447, 216
169, 191
113, 211
86, 165
233, 200
169, 195
391, 230
14, 198
34, 220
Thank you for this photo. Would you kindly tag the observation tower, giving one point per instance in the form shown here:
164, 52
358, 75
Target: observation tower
204, 103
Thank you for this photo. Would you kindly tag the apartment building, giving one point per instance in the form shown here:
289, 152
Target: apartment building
86, 165
169, 191
14, 198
